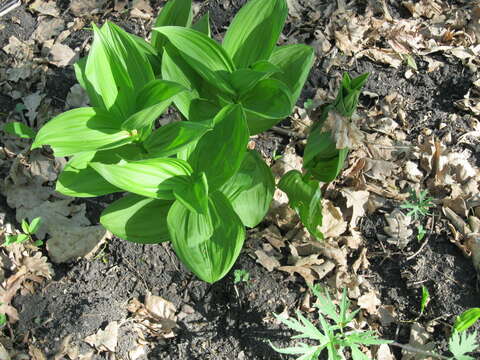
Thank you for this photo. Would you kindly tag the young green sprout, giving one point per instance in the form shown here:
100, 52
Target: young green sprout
28, 231
418, 205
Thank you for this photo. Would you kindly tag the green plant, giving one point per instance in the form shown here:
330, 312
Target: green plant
28, 231
421, 232
332, 336
466, 319
191, 182
241, 275
460, 344
418, 205
425, 300
322, 161
18, 129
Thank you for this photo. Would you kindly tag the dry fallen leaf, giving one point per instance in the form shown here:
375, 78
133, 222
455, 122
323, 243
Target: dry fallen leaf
384, 353
369, 302
106, 339
398, 228
267, 261
333, 224
419, 338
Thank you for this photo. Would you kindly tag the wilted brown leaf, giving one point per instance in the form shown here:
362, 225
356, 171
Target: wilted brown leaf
106, 339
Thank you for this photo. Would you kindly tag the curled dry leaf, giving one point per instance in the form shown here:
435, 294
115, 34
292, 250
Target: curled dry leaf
269, 262
344, 130
384, 353
357, 201
105, 340
333, 224
156, 316
419, 339
369, 302
398, 228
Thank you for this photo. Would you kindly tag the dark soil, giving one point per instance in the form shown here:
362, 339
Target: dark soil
88, 294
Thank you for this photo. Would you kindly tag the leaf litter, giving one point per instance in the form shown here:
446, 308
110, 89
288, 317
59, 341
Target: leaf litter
383, 166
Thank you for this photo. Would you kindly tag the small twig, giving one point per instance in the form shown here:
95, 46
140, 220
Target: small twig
419, 351
287, 132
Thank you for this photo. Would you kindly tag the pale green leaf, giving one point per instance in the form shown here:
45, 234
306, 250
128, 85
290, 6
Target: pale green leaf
174, 13
254, 31
155, 178
220, 152
80, 130
138, 219
251, 189
295, 61
210, 260
203, 54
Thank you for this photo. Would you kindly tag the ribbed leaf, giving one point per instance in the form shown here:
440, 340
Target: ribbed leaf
266, 104
244, 80
251, 189
174, 13
172, 138
305, 198
175, 68
152, 100
138, 219
322, 159
220, 152
209, 258
80, 180
295, 61
254, 31
194, 194
154, 178
80, 130
203, 54
203, 25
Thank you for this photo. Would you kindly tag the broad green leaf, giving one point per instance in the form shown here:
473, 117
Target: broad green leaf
19, 129
107, 83
80, 130
149, 52
243, 80
305, 198
254, 31
212, 258
220, 152
172, 138
79, 68
154, 178
347, 97
15, 239
194, 194
203, 25
34, 225
203, 111
25, 227
321, 157
462, 343
266, 67
175, 68
156, 92
203, 54
251, 189
80, 180
122, 48
138, 219
467, 319
295, 61
174, 13
266, 104
152, 100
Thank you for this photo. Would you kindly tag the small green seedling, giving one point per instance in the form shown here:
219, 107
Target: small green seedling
425, 300
241, 275
333, 336
3, 318
466, 319
28, 231
421, 233
418, 205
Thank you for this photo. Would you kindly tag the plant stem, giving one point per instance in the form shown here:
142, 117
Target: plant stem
419, 351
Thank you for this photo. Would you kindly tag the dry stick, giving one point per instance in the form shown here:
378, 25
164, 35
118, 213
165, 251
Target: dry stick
419, 351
